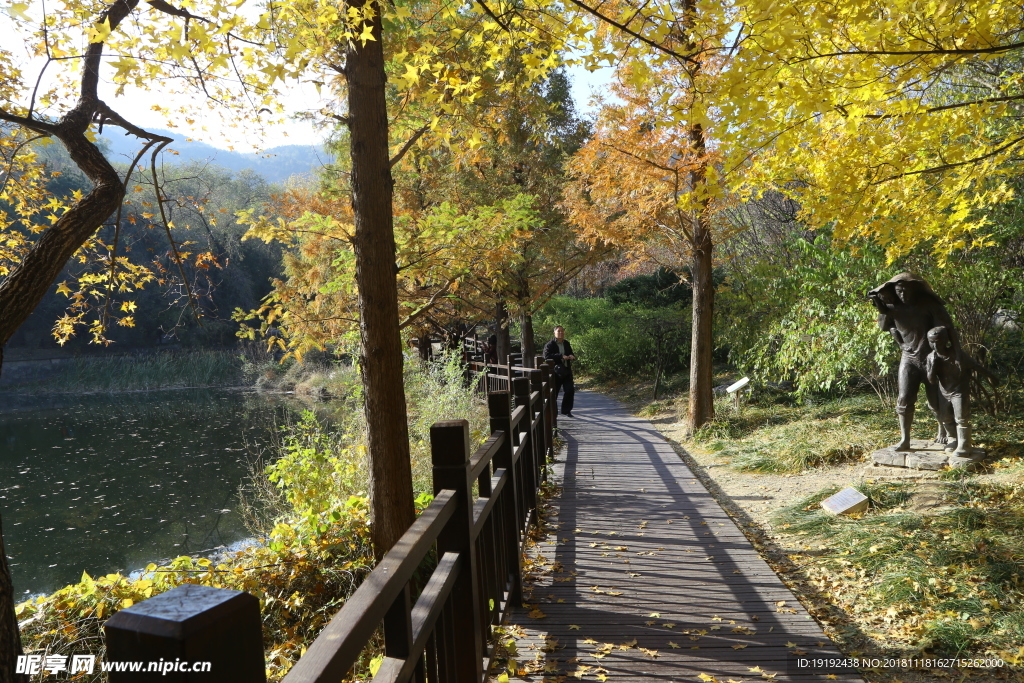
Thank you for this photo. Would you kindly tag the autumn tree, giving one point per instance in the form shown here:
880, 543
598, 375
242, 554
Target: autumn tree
528, 131
642, 184
896, 123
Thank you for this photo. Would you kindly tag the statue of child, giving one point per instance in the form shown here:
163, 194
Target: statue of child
952, 373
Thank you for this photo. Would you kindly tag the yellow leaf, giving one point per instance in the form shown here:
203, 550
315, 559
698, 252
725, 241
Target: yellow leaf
574, 627
100, 30
367, 33
62, 288
17, 10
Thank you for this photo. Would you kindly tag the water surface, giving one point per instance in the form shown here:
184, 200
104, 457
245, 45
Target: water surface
107, 483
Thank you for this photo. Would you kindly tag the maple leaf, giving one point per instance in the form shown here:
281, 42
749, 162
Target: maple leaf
755, 669
738, 646
574, 627
589, 641
673, 645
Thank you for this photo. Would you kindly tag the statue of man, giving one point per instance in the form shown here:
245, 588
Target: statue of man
908, 309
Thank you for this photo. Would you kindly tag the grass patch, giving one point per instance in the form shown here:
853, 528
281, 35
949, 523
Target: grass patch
772, 437
143, 372
950, 583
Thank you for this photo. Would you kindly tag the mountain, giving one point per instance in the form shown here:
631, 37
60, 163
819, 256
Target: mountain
276, 164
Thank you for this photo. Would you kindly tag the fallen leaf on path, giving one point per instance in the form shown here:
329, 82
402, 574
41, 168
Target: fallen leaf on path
673, 645
574, 627
738, 646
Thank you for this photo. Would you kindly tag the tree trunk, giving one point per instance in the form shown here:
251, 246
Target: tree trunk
10, 639
504, 338
387, 431
423, 346
526, 339
702, 406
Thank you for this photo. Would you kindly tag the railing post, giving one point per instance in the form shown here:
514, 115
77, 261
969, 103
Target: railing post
398, 627
500, 409
449, 449
550, 408
185, 625
543, 436
521, 390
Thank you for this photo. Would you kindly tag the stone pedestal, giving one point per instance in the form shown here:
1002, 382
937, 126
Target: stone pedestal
925, 455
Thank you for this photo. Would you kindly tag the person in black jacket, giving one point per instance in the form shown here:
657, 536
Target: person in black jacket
560, 351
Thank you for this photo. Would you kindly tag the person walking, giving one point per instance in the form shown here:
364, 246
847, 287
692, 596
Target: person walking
560, 351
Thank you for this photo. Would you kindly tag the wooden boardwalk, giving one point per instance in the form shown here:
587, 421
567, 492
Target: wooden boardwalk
646, 578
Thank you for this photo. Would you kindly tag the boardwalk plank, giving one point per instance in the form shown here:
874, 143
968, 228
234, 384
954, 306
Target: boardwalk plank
642, 556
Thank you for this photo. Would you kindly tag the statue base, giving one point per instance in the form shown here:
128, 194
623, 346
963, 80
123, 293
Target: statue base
926, 455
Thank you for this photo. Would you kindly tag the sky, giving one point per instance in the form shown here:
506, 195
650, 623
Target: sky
136, 107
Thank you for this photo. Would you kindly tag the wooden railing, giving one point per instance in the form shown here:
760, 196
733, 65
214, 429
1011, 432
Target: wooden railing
439, 634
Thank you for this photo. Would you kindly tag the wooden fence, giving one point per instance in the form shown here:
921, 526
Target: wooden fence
440, 633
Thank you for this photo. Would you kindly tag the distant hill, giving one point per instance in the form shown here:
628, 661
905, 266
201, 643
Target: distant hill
276, 164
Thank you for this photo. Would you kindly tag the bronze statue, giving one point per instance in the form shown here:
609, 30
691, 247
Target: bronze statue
952, 375
908, 309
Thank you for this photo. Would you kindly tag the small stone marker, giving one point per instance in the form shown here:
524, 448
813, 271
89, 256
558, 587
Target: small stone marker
846, 502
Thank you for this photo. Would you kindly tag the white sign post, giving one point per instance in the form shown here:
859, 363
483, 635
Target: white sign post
734, 389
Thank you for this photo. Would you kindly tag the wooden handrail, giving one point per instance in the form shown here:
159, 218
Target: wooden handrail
341, 642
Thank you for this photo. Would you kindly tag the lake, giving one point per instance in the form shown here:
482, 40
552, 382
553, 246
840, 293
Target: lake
108, 483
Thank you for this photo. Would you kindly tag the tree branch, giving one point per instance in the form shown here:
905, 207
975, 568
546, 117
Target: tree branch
995, 49
430, 303
622, 27
408, 144
41, 127
987, 100
946, 167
